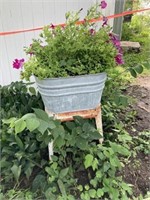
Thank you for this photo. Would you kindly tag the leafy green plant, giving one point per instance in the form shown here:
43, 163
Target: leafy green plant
76, 149
18, 153
141, 142
73, 49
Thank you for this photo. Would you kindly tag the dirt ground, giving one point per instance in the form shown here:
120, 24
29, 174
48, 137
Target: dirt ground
137, 172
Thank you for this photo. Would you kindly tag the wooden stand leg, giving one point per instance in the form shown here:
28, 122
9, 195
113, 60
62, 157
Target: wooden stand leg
98, 120
86, 114
50, 149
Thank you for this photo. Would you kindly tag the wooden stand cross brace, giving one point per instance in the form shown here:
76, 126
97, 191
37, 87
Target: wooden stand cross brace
86, 114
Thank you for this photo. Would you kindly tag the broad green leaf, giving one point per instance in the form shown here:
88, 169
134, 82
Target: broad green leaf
9, 121
138, 69
4, 163
95, 164
81, 143
88, 160
92, 193
16, 170
100, 193
99, 174
43, 126
28, 170
106, 166
41, 114
28, 115
95, 135
63, 172
133, 72
59, 142
19, 142
32, 90
62, 189
70, 125
20, 125
113, 162
32, 123
52, 125
87, 127
49, 195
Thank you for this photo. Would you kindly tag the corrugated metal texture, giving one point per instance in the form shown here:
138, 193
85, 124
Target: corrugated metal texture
72, 93
26, 14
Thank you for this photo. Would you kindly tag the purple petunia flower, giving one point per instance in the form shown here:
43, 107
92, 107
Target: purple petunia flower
92, 31
116, 42
52, 26
119, 59
103, 4
105, 20
18, 63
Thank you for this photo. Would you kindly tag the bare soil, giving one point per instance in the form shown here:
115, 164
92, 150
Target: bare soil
137, 172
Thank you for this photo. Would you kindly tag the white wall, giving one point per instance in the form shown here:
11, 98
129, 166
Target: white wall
26, 14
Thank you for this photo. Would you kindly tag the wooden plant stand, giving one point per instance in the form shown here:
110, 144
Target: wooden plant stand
86, 114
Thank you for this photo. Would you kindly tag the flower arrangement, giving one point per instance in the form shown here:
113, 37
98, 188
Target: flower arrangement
73, 49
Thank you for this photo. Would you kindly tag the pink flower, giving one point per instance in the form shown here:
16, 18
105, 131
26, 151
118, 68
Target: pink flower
52, 26
116, 42
92, 31
18, 63
105, 20
103, 4
119, 59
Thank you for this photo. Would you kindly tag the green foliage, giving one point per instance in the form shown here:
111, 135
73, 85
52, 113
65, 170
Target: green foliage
71, 50
15, 194
19, 153
76, 148
141, 142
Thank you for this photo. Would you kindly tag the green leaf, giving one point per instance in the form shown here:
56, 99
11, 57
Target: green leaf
81, 143
16, 170
100, 193
28, 115
98, 174
41, 114
95, 135
59, 142
63, 172
62, 189
32, 123
20, 125
92, 193
32, 90
39, 182
28, 170
146, 65
70, 125
19, 142
88, 160
138, 69
43, 126
95, 164
9, 121
113, 162
133, 72
49, 195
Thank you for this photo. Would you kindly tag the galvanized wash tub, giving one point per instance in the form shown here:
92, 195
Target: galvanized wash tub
72, 93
